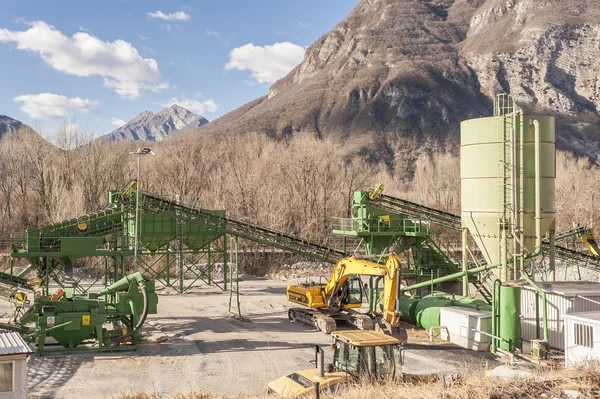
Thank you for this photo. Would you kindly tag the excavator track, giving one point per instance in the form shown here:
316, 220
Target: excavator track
314, 318
327, 322
361, 321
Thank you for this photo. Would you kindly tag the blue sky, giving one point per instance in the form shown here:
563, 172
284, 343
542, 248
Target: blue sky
98, 63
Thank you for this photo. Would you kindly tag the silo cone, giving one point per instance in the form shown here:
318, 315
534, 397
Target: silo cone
510, 321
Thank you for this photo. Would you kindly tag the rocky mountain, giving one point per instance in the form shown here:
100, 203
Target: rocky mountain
156, 127
19, 130
395, 78
8, 124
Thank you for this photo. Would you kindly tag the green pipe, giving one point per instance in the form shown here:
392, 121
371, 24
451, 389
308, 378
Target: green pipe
449, 277
56, 327
465, 260
495, 316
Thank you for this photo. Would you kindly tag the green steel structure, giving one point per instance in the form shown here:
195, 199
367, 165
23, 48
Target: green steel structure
179, 244
452, 221
380, 231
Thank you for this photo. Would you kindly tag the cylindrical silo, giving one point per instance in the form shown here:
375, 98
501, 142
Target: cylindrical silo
497, 167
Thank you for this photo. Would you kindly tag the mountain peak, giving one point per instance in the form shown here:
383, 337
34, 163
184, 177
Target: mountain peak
158, 126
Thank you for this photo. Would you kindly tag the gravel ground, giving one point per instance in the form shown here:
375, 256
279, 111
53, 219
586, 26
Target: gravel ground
209, 349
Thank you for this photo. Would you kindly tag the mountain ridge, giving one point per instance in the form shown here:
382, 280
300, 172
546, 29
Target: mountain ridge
393, 81
158, 126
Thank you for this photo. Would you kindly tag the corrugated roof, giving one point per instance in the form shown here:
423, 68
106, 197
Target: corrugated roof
12, 343
568, 288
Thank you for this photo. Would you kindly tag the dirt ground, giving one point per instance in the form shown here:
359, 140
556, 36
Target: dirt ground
209, 349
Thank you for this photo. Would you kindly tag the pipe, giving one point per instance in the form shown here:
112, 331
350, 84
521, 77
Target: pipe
495, 316
449, 277
433, 328
465, 261
140, 322
488, 334
513, 186
552, 253
538, 227
521, 194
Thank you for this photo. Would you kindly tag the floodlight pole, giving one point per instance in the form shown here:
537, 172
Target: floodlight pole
139, 153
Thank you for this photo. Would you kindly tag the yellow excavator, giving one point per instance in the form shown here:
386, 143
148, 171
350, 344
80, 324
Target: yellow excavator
326, 304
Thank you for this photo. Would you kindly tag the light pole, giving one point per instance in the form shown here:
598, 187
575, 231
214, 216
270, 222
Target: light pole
139, 153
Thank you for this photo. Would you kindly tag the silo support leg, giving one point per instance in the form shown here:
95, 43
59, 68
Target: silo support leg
465, 261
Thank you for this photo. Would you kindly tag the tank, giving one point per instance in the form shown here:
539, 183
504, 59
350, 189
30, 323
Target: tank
486, 190
510, 322
428, 310
408, 307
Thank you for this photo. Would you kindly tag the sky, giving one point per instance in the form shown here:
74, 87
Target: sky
98, 64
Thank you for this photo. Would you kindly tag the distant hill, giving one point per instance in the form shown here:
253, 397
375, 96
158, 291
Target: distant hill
395, 78
157, 127
8, 124
19, 130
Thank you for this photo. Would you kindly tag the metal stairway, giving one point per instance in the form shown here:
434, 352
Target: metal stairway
241, 229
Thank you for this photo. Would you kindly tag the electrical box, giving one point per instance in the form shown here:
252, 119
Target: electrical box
582, 337
465, 327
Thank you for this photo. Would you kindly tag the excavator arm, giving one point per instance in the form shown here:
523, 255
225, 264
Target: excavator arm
343, 270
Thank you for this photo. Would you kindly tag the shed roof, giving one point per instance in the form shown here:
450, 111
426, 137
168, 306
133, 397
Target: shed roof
568, 288
585, 316
12, 343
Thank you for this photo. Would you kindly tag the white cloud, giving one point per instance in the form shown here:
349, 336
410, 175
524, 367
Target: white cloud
176, 16
216, 35
118, 122
197, 107
267, 63
170, 28
142, 36
172, 63
300, 24
49, 105
118, 62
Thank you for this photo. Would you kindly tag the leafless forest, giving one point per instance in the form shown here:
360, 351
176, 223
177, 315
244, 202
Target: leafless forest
297, 185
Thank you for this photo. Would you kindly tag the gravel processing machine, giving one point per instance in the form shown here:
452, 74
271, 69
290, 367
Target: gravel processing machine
109, 320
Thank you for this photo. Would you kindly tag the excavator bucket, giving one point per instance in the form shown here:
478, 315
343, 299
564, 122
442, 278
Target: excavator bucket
397, 332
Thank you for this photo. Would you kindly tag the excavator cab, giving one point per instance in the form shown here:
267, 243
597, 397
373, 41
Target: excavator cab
351, 293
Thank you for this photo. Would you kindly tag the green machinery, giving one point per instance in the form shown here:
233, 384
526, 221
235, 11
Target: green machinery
79, 322
179, 244
379, 229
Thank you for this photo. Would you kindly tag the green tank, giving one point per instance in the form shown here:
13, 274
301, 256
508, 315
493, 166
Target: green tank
428, 310
408, 307
509, 328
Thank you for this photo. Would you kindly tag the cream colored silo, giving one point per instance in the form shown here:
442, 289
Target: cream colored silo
498, 191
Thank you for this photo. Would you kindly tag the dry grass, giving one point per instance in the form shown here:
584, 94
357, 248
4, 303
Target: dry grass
548, 383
